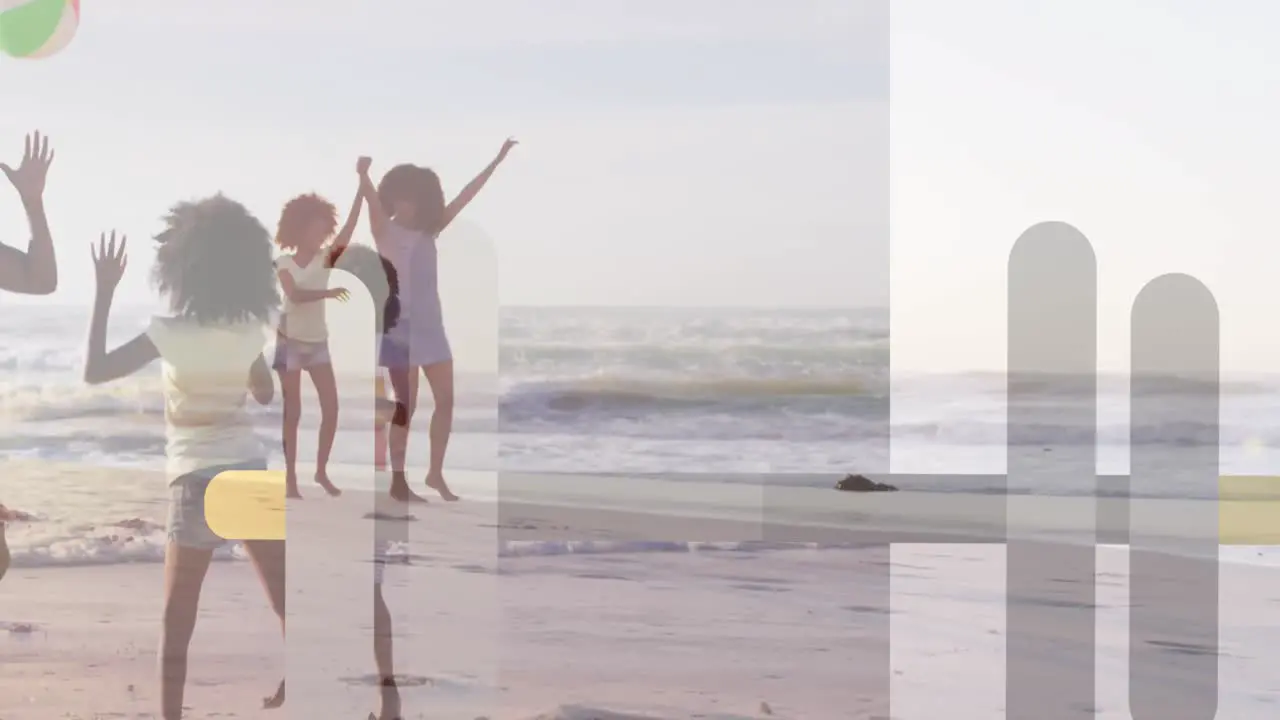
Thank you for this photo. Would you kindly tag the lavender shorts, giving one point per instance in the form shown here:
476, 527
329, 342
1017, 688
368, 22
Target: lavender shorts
421, 350
299, 355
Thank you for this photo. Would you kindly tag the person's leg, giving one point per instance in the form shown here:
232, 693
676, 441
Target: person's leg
440, 378
327, 389
8, 516
268, 558
186, 560
4, 549
184, 572
383, 412
291, 393
382, 656
404, 386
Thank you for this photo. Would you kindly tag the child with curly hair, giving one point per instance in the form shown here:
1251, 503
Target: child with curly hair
407, 213
306, 229
214, 267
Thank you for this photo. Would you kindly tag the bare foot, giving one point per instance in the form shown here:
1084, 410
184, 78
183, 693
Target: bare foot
322, 479
400, 491
275, 701
390, 703
436, 482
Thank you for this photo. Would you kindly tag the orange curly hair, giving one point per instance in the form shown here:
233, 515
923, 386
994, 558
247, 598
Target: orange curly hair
298, 216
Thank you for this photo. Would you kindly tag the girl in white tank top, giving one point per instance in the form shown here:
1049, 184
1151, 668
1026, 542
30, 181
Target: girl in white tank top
213, 265
306, 228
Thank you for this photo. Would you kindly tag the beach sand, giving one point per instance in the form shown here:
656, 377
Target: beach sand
477, 635
490, 622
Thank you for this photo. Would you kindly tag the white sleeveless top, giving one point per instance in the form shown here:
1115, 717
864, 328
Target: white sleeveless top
305, 321
205, 370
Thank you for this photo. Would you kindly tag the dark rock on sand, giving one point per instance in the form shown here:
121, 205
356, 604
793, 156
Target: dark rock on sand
860, 483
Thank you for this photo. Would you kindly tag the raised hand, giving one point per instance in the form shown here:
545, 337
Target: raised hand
506, 147
109, 261
339, 294
30, 174
363, 164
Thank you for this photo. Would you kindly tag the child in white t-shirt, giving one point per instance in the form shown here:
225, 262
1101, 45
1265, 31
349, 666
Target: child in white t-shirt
306, 227
213, 265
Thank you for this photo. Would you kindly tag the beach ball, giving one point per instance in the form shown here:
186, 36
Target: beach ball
37, 28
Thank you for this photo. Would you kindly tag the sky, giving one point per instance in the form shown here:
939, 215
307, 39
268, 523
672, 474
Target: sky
1149, 126
718, 152
672, 153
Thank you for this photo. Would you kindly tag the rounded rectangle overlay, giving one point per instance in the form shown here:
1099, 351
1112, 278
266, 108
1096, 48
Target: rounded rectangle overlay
246, 505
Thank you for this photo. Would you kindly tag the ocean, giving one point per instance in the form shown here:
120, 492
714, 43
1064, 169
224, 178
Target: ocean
722, 395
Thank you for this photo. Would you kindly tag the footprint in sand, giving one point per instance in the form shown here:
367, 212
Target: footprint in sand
390, 516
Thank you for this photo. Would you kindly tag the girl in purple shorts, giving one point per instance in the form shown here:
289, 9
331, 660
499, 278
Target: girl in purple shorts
407, 213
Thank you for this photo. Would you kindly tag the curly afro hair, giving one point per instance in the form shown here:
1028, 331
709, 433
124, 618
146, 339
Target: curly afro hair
298, 216
214, 262
421, 188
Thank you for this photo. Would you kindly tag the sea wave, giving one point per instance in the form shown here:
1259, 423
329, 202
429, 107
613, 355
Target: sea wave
127, 541
120, 546
128, 417
655, 394
61, 398
1080, 386
134, 541
553, 548
1062, 434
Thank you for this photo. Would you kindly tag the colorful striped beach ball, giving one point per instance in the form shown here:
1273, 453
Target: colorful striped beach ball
37, 28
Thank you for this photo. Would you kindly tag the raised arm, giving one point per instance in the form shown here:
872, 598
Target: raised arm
101, 366
343, 238
474, 187
377, 214
34, 272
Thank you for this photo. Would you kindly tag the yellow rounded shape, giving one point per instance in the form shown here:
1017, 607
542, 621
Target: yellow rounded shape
1249, 510
246, 505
